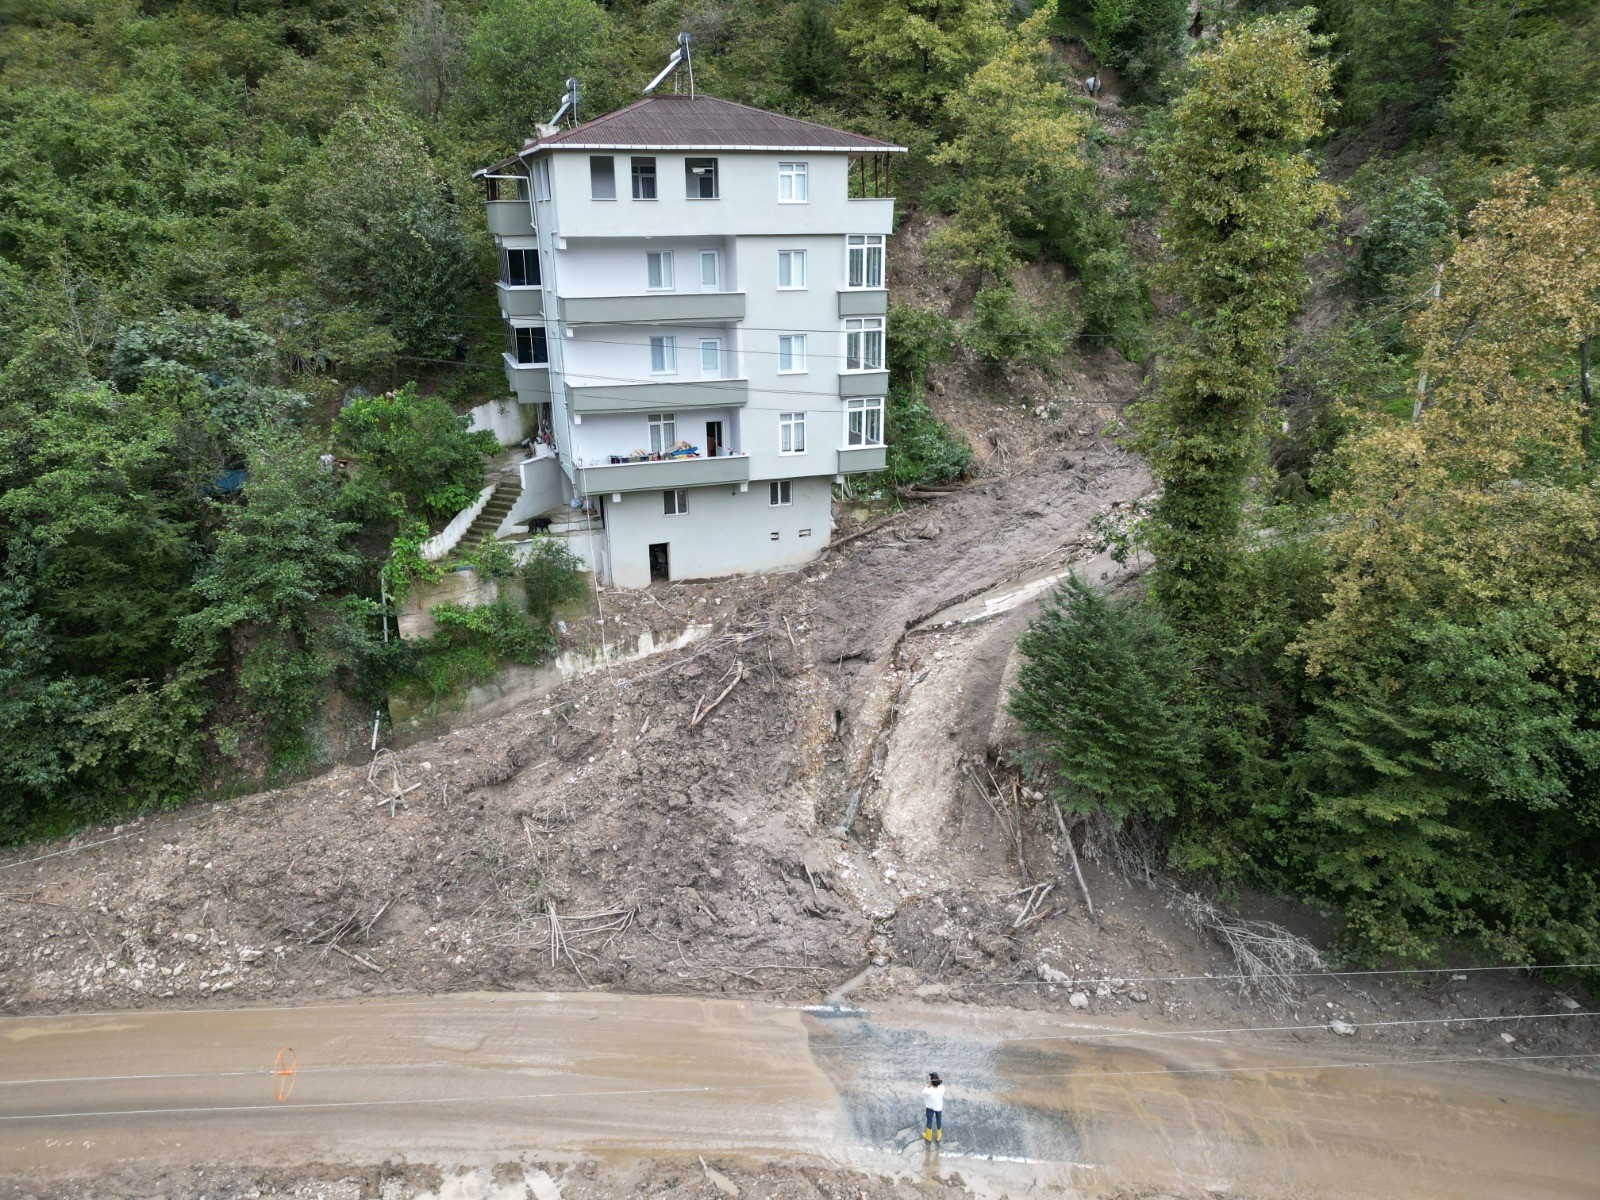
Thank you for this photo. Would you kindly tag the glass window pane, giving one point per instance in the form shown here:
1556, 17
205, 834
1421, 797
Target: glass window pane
709, 269
644, 179
603, 178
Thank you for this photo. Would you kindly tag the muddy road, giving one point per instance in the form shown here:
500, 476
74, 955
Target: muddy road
1083, 1107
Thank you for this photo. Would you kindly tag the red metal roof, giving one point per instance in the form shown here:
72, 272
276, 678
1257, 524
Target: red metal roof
705, 123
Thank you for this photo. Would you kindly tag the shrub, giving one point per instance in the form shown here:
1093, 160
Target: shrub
1004, 328
550, 577
413, 447
923, 450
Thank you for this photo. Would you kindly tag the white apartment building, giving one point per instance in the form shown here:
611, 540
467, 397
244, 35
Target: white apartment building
694, 301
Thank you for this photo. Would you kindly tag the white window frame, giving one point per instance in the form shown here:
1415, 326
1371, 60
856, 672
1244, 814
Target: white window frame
634, 163
658, 265
792, 179
675, 502
791, 433
863, 412
663, 431
664, 350
857, 342
715, 173
715, 257
792, 259
715, 371
541, 179
795, 352
780, 493
868, 248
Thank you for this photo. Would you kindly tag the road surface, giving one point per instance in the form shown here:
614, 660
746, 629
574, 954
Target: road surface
464, 1078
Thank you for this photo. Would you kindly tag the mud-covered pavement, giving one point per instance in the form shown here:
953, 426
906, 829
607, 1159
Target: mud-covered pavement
1063, 1105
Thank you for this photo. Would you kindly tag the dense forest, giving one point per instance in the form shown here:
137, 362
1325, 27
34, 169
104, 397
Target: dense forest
236, 236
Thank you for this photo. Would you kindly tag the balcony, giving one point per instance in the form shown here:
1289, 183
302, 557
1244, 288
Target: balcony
657, 397
870, 302
509, 218
861, 458
520, 301
669, 473
863, 383
530, 381
664, 308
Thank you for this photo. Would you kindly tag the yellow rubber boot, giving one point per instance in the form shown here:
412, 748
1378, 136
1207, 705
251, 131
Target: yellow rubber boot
938, 1135
927, 1135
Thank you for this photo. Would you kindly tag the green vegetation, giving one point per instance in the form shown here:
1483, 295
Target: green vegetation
1385, 616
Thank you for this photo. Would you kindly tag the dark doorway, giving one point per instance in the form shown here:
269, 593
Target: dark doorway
713, 438
658, 561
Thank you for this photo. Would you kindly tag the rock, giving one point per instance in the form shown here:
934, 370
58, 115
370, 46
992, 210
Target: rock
929, 989
1048, 973
542, 1186
1138, 995
721, 1182
1078, 1000
1568, 1003
1507, 1038
1342, 1028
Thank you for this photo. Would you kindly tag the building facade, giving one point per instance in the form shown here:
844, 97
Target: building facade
695, 312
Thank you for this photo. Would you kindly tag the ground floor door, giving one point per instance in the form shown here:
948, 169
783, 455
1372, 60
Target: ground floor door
713, 438
659, 565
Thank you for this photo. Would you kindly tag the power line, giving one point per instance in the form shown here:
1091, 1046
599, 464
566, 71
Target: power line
1119, 979
1191, 1033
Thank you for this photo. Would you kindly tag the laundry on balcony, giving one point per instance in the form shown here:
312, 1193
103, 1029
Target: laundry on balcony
676, 451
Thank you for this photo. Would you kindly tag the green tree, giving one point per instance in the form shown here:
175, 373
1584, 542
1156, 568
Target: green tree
811, 61
1243, 207
520, 54
413, 448
1100, 686
914, 53
1140, 38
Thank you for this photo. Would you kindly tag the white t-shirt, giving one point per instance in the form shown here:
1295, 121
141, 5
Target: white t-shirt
933, 1097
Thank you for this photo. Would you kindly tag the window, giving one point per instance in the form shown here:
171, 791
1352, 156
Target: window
791, 268
663, 356
792, 353
700, 178
710, 271
866, 260
792, 183
541, 179
711, 358
863, 344
658, 271
863, 422
603, 178
663, 432
792, 433
644, 179
528, 346
780, 493
675, 502
519, 267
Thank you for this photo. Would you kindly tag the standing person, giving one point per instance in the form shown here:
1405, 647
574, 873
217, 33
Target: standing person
933, 1109
1092, 84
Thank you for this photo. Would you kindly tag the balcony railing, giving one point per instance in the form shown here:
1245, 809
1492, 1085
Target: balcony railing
861, 458
666, 473
509, 218
657, 397
664, 308
518, 301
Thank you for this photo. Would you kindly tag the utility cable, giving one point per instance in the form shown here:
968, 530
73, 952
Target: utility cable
1192, 1033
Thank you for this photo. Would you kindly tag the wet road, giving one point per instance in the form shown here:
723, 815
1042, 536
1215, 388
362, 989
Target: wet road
465, 1078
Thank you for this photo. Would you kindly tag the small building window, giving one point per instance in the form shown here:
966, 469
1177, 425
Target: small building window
711, 358
541, 179
663, 432
658, 271
700, 178
603, 178
644, 179
664, 355
863, 422
791, 353
519, 267
780, 493
863, 344
792, 183
792, 433
675, 502
866, 260
791, 269
528, 346
710, 271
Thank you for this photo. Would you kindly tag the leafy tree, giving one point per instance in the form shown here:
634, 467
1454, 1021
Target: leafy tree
520, 54
1017, 142
1413, 224
1140, 38
919, 338
923, 450
550, 578
1243, 207
414, 448
1099, 686
914, 53
429, 59
381, 233
812, 58
1006, 329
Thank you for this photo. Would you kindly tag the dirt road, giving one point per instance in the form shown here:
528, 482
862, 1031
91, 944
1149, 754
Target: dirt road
475, 1079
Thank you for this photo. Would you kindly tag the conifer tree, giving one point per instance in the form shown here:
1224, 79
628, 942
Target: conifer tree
812, 60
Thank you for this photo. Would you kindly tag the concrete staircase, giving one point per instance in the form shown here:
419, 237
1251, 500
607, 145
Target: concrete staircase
499, 507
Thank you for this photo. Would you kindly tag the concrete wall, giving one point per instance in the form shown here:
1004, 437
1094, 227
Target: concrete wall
604, 434
725, 531
506, 419
615, 355
617, 266
543, 487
